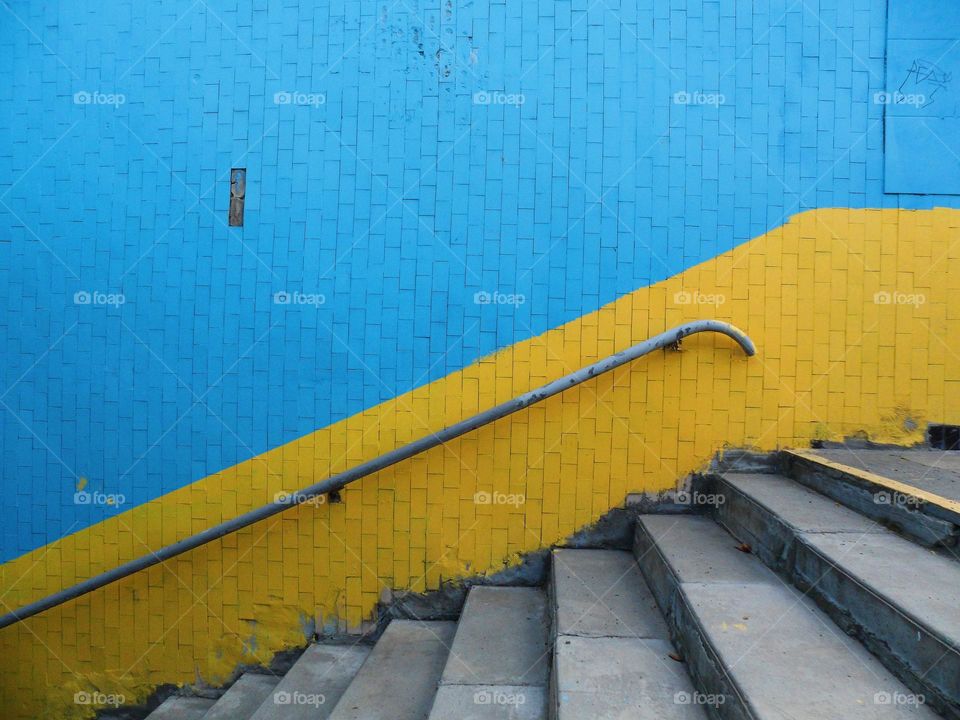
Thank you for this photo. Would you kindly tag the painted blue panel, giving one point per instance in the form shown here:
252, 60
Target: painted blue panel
922, 101
923, 19
410, 167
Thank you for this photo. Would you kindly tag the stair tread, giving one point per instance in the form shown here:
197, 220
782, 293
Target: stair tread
782, 653
243, 698
311, 688
699, 550
399, 679
490, 702
501, 639
802, 508
616, 677
601, 593
933, 471
182, 708
923, 584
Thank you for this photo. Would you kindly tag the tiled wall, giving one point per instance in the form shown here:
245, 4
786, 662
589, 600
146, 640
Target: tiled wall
856, 332
403, 177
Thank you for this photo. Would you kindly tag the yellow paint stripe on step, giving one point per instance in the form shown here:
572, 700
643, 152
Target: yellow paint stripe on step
881, 480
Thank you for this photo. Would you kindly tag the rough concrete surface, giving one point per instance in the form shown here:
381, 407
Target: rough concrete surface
399, 679
501, 639
490, 702
601, 593
243, 698
311, 688
182, 708
621, 677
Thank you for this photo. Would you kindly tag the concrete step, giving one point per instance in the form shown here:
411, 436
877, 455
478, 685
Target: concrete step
243, 698
181, 708
923, 516
399, 679
618, 677
756, 647
501, 638
500, 658
312, 687
612, 649
490, 702
901, 601
601, 593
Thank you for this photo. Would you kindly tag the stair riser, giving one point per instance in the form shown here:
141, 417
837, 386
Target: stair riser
769, 539
688, 636
661, 581
920, 659
553, 694
922, 523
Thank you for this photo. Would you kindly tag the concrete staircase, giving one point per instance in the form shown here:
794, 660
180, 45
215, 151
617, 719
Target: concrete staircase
768, 601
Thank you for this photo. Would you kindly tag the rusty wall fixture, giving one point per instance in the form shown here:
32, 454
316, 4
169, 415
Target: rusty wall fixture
238, 191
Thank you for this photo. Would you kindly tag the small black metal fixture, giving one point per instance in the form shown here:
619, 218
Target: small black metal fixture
944, 437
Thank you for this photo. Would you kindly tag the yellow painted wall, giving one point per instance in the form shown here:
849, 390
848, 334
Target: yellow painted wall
832, 361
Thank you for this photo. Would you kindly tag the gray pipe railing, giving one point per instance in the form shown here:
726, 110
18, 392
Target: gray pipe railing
335, 482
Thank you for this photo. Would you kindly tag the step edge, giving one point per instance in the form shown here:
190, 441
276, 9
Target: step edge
946, 504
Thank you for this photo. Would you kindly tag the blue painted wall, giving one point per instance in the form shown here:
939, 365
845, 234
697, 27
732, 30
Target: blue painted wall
652, 136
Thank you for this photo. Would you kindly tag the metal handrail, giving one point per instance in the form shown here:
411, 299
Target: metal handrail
336, 482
